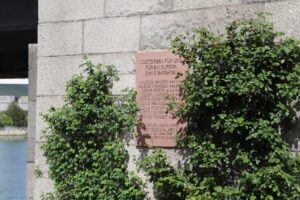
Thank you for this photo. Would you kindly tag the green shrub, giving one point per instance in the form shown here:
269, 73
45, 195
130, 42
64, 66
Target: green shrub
240, 100
85, 148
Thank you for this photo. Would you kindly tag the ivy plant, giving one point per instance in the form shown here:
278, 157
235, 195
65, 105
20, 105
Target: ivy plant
85, 146
241, 94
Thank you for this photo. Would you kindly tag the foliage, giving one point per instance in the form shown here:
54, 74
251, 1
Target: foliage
47, 196
5, 120
241, 92
38, 172
85, 148
13, 116
169, 184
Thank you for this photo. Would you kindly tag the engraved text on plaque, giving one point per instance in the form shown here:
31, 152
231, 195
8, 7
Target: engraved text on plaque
156, 79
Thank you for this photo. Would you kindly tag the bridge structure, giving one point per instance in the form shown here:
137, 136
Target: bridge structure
18, 28
14, 87
110, 32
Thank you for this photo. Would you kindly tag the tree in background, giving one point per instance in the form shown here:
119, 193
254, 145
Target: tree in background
5, 120
13, 116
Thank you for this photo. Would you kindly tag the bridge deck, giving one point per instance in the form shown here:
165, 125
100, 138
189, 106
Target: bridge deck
18, 28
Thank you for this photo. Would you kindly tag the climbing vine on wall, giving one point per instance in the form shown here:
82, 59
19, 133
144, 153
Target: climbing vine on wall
84, 145
241, 92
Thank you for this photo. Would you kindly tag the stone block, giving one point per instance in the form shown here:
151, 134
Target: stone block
31, 119
54, 72
124, 62
112, 35
32, 57
29, 181
58, 10
63, 38
40, 160
32, 84
158, 30
285, 16
133, 7
42, 186
96, 58
126, 81
245, 11
193, 4
136, 154
32, 71
30, 149
259, 1
43, 105
51, 81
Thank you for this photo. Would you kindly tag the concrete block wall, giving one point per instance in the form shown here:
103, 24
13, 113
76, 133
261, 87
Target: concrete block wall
32, 72
112, 31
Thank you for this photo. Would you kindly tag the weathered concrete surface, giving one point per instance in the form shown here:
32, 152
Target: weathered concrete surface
112, 35
134, 7
42, 186
42, 106
40, 160
29, 195
158, 30
60, 38
51, 82
193, 4
286, 16
126, 81
124, 62
64, 10
32, 73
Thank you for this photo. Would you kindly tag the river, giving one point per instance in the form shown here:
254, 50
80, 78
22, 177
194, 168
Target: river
12, 168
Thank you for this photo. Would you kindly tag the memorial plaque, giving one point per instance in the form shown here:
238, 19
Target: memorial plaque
156, 74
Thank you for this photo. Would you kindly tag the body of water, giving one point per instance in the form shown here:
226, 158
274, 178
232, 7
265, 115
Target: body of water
13, 154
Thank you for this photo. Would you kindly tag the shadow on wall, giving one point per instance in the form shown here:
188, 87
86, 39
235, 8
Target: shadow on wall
292, 135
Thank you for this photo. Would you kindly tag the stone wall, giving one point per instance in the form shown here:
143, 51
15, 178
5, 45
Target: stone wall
32, 72
112, 31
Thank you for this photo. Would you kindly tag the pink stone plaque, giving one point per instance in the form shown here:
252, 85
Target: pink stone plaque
156, 79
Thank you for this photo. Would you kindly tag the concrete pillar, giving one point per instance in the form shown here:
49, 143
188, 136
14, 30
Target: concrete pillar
32, 73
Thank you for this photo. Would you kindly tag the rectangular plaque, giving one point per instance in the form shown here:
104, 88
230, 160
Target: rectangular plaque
156, 74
